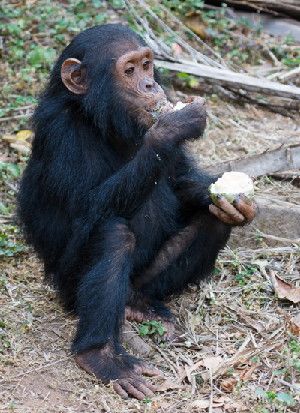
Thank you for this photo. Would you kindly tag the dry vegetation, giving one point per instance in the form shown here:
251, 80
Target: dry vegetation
238, 347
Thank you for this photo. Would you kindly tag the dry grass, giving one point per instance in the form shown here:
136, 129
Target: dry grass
233, 323
235, 319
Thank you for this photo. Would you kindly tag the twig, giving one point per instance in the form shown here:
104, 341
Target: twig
8, 118
279, 239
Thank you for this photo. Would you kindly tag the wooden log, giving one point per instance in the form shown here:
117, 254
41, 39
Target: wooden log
234, 80
290, 7
265, 163
279, 219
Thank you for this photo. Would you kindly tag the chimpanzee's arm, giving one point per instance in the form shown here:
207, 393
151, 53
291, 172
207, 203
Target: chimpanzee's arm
125, 191
191, 183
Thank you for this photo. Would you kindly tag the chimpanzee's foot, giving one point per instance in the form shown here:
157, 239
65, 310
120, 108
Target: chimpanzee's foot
142, 312
111, 364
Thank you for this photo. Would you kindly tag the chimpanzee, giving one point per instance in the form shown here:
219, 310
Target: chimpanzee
111, 201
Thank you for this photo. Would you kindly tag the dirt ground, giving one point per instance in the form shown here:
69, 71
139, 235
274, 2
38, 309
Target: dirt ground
238, 349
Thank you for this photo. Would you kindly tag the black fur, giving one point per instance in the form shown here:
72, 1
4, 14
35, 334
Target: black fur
98, 203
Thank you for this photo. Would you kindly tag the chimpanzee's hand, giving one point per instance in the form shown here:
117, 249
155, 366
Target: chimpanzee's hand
242, 211
186, 123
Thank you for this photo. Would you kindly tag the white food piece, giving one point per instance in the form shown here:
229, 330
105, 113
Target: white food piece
231, 184
179, 105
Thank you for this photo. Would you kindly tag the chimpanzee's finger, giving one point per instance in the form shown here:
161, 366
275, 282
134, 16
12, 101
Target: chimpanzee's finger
146, 370
222, 216
130, 388
120, 391
246, 207
146, 388
230, 210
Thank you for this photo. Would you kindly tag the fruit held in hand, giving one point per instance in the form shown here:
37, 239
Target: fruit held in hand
179, 105
166, 106
230, 185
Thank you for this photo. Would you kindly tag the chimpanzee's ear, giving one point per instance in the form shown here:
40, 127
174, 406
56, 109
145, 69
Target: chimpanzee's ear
73, 76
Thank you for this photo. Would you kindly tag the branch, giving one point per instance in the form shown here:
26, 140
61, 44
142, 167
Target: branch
229, 78
268, 162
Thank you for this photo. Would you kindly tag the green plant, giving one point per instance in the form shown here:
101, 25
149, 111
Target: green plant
9, 170
244, 274
151, 327
275, 398
9, 246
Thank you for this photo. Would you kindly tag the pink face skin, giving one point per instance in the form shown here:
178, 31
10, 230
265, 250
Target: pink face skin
135, 75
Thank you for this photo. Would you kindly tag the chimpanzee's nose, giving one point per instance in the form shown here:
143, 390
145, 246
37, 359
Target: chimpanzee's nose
148, 85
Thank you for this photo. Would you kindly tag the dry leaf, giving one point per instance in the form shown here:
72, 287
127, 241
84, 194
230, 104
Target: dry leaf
285, 290
294, 325
9, 138
203, 404
21, 147
196, 25
237, 406
176, 49
212, 363
169, 385
20, 141
227, 385
186, 371
24, 135
247, 373
200, 404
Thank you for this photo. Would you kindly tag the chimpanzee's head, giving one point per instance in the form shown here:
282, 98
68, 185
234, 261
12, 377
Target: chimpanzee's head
110, 69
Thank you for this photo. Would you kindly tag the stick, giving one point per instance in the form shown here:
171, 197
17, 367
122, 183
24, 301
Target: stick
233, 79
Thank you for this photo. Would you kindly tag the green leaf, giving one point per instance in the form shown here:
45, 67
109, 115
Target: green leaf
271, 395
41, 56
286, 398
161, 330
144, 330
260, 393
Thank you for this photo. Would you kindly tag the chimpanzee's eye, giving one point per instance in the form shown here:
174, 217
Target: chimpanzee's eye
129, 71
146, 65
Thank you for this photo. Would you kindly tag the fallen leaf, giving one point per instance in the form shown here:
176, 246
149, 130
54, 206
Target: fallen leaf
257, 325
200, 404
176, 49
294, 325
195, 24
228, 385
212, 363
169, 385
9, 138
21, 147
237, 406
285, 290
247, 373
203, 404
24, 135
186, 371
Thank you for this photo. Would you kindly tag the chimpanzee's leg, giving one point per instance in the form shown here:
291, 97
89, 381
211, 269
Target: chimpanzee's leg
195, 262
186, 257
101, 299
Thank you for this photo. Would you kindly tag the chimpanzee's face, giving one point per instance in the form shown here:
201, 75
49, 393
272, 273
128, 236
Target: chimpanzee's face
140, 92
133, 79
